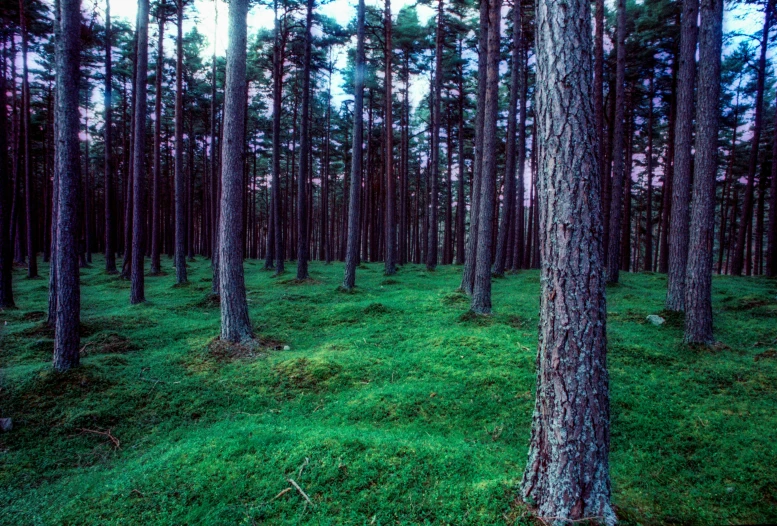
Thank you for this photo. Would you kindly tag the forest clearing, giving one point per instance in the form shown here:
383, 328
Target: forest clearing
387, 405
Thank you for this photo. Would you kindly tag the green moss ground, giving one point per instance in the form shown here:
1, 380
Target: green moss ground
391, 406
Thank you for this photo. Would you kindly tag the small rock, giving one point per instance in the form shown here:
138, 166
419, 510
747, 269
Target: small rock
656, 319
286, 348
730, 489
6, 424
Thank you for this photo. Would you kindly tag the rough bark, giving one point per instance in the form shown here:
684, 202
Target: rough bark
68, 301
235, 325
481, 294
137, 290
681, 184
304, 163
698, 291
618, 147
352, 248
567, 475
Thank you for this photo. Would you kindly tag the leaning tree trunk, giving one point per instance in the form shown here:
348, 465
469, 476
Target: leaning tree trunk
468, 274
567, 475
156, 202
137, 290
746, 216
506, 221
66, 336
235, 325
6, 257
698, 291
304, 158
618, 142
481, 294
681, 183
352, 248
110, 221
180, 177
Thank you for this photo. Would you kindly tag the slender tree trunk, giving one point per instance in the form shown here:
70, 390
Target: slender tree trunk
599, 87
698, 292
137, 291
235, 325
746, 216
520, 226
567, 474
29, 184
432, 239
618, 147
68, 293
649, 176
110, 222
275, 198
129, 200
771, 255
215, 171
156, 205
391, 229
352, 249
180, 178
6, 256
304, 158
481, 295
508, 202
468, 274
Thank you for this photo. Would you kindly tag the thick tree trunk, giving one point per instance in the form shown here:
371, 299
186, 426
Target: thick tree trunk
481, 295
746, 217
235, 325
352, 248
304, 158
567, 475
698, 292
391, 229
507, 221
68, 293
137, 291
468, 274
156, 203
681, 184
618, 147
110, 221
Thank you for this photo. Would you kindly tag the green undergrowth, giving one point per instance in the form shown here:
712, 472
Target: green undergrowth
388, 405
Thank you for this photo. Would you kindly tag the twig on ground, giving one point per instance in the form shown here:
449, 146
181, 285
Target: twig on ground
302, 467
283, 492
107, 434
296, 486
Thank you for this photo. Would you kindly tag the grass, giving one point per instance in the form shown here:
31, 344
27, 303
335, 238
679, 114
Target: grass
390, 406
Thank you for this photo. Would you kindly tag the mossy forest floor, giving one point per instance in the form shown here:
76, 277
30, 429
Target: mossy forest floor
389, 406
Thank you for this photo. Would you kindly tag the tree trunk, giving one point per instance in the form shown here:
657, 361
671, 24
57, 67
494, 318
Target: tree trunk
391, 229
698, 292
506, 221
137, 291
432, 239
567, 474
180, 178
771, 254
156, 198
649, 176
520, 222
681, 184
29, 184
481, 295
215, 171
68, 293
618, 143
110, 222
235, 325
304, 157
746, 217
6, 256
468, 274
352, 249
